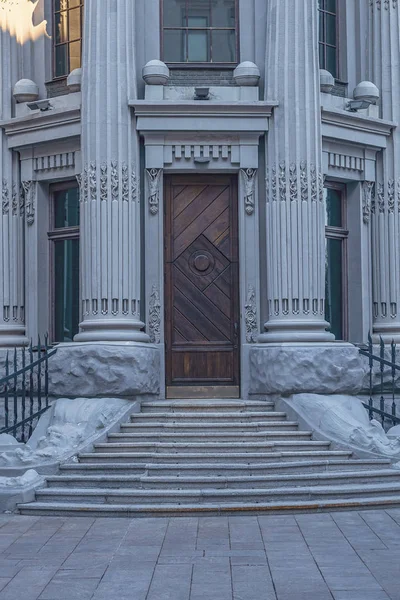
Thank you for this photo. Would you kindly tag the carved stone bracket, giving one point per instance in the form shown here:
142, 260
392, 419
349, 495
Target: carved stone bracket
30, 201
154, 177
249, 177
155, 316
251, 315
367, 200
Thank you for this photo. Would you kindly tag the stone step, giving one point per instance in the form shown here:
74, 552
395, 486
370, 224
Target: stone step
201, 482
208, 508
223, 427
207, 406
200, 437
223, 469
221, 447
200, 496
247, 458
208, 417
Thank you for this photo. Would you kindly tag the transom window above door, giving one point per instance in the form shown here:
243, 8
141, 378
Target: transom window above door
200, 31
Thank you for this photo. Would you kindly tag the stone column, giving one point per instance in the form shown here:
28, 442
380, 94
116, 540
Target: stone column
12, 297
295, 214
384, 67
110, 212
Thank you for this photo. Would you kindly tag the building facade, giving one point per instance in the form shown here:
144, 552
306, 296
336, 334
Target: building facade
200, 196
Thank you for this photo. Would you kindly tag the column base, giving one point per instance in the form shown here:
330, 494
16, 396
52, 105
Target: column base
387, 331
279, 332
11, 336
111, 330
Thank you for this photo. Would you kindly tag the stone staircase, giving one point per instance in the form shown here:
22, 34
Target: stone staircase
214, 457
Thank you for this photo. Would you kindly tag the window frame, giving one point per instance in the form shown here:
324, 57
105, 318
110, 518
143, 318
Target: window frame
337, 75
202, 65
53, 235
341, 233
67, 43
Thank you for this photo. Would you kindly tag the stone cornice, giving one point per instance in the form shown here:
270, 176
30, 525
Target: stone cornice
202, 108
357, 122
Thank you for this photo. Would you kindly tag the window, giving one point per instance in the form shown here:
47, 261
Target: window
64, 240
336, 260
67, 36
328, 36
200, 31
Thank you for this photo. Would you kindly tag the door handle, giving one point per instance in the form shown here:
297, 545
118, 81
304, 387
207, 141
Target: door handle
236, 329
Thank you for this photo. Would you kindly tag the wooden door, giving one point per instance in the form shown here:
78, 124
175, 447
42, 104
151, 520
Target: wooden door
202, 281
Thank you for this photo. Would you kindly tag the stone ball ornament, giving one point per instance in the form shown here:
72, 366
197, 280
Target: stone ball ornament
246, 74
74, 80
155, 72
25, 90
326, 81
366, 90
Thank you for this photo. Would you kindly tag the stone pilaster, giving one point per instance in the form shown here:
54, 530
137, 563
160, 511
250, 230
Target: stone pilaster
295, 212
110, 212
384, 67
12, 296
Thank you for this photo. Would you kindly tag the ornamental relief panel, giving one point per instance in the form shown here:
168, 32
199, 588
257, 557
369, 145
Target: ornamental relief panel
386, 197
107, 182
385, 3
295, 182
154, 178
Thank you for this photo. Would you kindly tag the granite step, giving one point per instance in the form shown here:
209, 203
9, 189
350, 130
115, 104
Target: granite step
211, 427
204, 406
222, 447
207, 437
207, 417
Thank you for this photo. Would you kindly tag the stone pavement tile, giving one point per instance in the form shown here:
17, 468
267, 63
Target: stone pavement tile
65, 586
28, 584
171, 583
280, 529
309, 595
352, 582
4, 581
171, 557
116, 591
213, 532
6, 540
19, 524
245, 533
95, 572
9, 568
357, 532
147, 532
136, 574
239, 557
252, 583
208, 584
81, 561
58, 548
360, 595
382, 524
77, 526
181, 533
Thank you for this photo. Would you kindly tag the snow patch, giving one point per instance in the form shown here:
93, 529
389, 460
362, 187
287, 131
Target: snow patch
29, 479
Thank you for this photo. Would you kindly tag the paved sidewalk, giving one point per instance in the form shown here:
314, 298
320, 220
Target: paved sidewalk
340, 556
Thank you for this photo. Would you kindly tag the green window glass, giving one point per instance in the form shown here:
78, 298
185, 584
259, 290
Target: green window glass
336, 267
328, 36
67, 36
200, 31
64, 240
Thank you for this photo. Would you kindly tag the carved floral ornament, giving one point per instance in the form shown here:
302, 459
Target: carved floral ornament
154, 178
385, 197
112, 181
155, 316
251, 315
16, 196
386, 3
249, 177
295, 182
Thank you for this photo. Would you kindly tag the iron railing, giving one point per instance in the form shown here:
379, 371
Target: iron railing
24, 390
385, 388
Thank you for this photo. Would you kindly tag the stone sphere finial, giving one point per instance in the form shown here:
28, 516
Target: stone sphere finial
25, 90
326, 81
366, 90
74, 80
155, 72
246, 74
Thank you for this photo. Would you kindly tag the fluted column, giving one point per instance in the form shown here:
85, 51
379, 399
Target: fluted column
110, 214
295, 212
384, 65
12, 297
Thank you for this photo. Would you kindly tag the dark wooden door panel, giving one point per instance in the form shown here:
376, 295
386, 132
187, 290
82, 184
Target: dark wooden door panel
201, 290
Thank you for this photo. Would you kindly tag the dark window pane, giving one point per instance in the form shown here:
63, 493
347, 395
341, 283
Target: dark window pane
61, 60
199, 13
322, 56
223, 13
331, 30
61, 26
174, 45
66, 287
174, 13
331, 60
223, 46
334, 286
334, 217
196, 21
198, 46
330, 5
66, 208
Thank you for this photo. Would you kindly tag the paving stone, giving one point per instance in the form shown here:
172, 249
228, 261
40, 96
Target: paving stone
28, 584
213, 532
65, 586
171, 583
360, 595
252, 583
245, 533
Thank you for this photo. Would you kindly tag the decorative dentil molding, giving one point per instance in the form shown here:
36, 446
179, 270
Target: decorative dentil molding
107, 182
249, 178
154, 178
386, 4
296, 182
62, 160
30, 201
155, 316
250, 308
368, 188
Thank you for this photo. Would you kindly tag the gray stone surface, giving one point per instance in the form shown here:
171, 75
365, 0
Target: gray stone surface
337, 556
286, 370
92, 370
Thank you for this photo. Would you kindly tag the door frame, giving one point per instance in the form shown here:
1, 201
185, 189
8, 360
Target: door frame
229, 155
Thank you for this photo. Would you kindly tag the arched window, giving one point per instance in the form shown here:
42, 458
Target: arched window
328, 35
199, 31
67, 36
